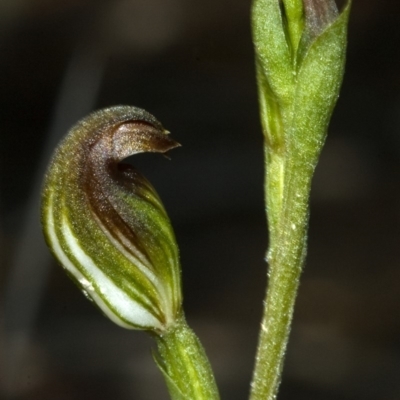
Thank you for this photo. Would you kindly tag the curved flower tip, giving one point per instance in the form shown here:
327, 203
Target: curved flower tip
105, 223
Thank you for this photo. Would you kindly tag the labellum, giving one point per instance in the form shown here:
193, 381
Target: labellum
106, 225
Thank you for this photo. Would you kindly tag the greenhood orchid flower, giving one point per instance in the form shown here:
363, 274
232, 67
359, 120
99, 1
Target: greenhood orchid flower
105, 223
107, 227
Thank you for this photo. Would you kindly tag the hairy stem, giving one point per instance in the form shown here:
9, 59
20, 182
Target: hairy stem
286, 258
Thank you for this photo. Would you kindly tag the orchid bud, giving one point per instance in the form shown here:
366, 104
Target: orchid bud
106, 225
300, 48
300, 52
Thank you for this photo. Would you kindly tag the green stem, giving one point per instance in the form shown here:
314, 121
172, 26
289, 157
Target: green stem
184, 364
286, 258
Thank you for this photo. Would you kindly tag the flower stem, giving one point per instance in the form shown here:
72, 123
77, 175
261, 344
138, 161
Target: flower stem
184, 364
286, 258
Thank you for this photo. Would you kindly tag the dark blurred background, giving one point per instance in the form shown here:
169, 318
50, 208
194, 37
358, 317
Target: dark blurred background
190, 63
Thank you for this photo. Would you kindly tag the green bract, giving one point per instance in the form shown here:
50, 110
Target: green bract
105, 223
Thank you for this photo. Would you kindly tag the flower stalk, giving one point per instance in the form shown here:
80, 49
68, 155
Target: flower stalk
300, 52
183, 362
